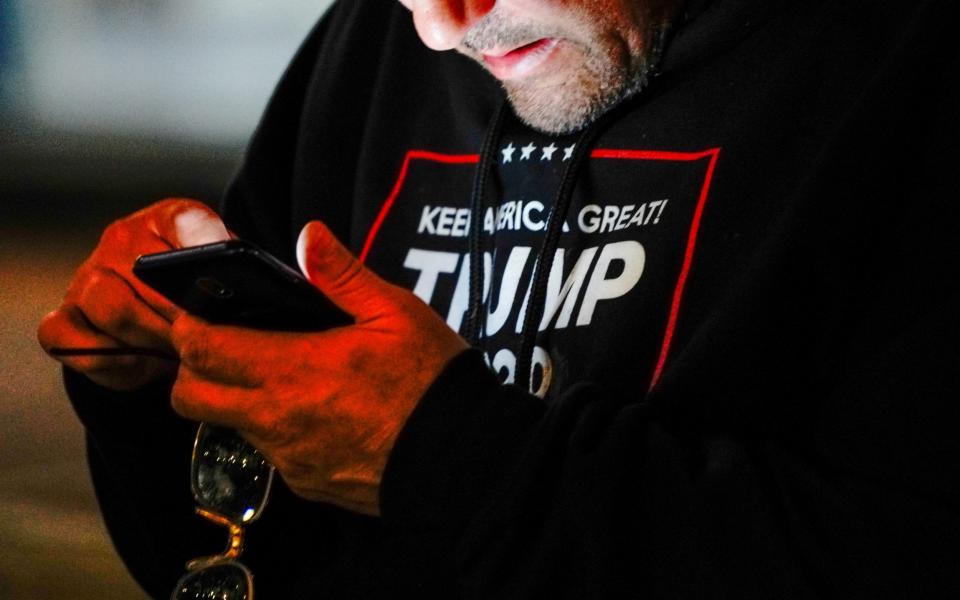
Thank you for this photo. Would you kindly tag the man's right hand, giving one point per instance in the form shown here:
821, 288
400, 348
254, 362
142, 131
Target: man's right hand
107, 307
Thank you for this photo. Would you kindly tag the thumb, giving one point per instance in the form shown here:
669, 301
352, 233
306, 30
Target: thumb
199, 225
330, 266
182, 223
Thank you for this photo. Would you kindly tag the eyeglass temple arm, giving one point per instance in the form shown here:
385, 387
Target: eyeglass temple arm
234, 542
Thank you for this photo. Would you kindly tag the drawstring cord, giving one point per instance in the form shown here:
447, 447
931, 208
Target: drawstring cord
474, 326
545, 255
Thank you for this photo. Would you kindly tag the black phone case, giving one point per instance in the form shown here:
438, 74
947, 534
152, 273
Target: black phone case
237, 283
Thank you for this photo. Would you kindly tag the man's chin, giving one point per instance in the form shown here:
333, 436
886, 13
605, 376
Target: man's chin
550, 114
569, 105
571, 95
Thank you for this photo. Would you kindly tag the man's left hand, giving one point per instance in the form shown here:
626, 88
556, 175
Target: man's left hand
325, 408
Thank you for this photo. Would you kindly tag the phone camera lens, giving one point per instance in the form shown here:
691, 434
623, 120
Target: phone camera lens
212, 287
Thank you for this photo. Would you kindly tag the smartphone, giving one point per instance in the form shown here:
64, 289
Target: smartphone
236, 283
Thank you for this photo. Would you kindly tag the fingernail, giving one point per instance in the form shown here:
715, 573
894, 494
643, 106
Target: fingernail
195, 227
302, 250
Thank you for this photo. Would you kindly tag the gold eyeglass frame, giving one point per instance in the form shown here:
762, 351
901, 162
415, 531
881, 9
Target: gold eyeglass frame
235, 539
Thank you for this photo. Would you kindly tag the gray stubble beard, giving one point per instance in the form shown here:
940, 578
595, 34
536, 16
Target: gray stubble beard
600, 85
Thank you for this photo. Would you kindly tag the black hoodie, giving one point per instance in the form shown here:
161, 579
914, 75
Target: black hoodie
743, 339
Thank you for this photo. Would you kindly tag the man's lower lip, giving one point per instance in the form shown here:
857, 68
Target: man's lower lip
522, 61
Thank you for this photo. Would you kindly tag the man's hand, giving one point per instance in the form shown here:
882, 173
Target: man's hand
106, 308
325, 408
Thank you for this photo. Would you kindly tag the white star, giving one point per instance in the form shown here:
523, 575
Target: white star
568, 152
526, 151
548, 152
508, 153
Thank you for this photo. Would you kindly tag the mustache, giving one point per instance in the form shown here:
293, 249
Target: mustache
496, 31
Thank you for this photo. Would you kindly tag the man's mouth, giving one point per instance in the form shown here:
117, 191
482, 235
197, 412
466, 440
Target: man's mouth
519, 61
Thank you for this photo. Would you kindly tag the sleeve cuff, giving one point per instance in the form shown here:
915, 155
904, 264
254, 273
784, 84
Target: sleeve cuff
124, 418
457, 447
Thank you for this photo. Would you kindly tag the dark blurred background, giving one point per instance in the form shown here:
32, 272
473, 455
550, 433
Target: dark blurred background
105, 106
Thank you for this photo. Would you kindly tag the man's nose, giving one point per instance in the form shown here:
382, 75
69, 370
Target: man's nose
442, 24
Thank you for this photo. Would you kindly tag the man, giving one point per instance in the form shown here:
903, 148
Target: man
717, 290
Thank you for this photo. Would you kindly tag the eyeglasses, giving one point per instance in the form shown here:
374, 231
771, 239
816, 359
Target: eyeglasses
231, 482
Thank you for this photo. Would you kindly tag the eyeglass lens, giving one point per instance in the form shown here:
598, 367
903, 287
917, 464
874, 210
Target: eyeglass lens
230, 477
218, 582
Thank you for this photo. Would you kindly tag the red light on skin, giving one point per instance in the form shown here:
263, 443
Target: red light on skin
321, 419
